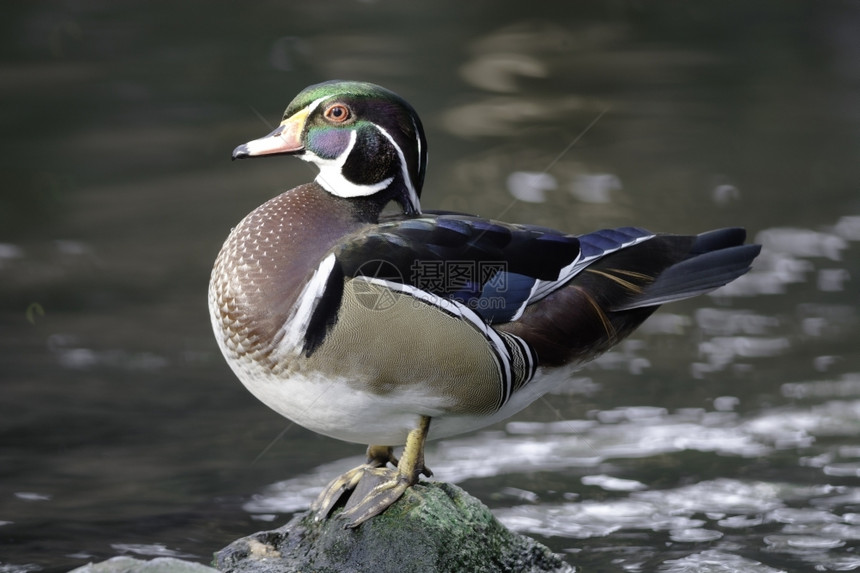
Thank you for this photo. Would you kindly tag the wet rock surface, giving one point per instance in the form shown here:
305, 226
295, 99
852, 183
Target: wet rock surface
433, 527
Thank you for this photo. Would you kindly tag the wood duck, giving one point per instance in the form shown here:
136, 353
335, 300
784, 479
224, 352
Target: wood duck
366, 327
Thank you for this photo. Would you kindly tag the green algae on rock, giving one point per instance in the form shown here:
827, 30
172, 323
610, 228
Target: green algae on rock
434, 527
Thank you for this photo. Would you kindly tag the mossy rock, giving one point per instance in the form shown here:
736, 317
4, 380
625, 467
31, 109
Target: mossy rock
433, 527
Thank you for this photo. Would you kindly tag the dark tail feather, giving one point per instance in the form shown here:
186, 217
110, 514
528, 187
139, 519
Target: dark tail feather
718, 257
718, 239
610, 298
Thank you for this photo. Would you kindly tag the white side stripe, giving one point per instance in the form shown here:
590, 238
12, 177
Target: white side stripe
296, 326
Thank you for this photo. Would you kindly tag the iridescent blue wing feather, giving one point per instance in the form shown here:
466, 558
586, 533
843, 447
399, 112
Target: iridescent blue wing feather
492, 268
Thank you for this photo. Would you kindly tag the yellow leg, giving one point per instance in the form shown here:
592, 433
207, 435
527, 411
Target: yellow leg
377, 457
409, 469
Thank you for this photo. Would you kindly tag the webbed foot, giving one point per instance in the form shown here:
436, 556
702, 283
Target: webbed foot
388, 485
375, 487
377, 457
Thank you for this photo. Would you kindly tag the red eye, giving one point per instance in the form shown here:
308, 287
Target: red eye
337, 113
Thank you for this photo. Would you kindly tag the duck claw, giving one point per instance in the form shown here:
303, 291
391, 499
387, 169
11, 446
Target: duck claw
335, 490
377, 457
379, 497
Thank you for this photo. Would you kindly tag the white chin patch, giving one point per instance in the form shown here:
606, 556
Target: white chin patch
331, 174
335, 183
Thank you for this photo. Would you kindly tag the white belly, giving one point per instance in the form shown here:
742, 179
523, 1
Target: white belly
332, 407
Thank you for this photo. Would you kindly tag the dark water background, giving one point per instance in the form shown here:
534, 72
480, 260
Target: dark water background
722, 437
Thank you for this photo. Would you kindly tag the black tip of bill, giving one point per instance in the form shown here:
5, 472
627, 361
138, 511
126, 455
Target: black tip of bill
241, 152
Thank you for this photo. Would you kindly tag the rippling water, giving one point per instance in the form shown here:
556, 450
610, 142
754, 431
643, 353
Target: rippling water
723, 436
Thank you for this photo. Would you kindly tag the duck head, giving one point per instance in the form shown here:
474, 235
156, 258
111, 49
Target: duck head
366, 140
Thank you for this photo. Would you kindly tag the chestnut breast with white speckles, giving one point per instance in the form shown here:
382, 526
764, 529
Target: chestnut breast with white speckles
264, 264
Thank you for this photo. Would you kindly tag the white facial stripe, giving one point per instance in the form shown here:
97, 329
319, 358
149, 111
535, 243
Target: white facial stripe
418, 144
413, 196
314, 104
